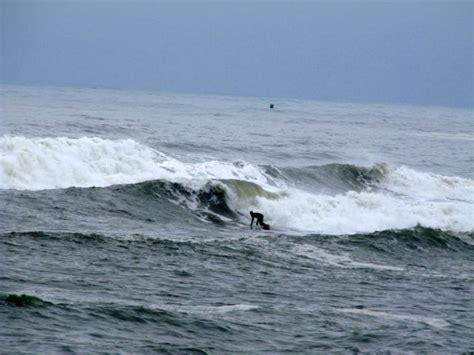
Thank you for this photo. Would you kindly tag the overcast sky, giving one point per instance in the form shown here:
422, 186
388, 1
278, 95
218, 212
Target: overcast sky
359, 51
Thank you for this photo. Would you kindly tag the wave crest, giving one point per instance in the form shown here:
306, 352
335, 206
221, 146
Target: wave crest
24, 300
60, 162
329, 199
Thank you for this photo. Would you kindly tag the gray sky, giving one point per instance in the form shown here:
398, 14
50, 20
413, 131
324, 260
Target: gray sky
359, 51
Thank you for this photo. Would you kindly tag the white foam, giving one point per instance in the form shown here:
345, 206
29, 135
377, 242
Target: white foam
405, 198
428, 186
433, 322
362, 212
48, 163
207, 309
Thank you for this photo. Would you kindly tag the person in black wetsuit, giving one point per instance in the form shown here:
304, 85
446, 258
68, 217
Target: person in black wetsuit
259, 218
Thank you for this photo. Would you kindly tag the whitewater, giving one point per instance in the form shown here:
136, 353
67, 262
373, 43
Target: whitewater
400, 198
124, 218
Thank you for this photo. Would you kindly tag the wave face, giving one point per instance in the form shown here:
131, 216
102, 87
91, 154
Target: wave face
329, 199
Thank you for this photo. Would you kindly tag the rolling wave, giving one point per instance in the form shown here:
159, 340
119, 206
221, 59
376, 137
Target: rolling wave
331, 199
332, 177
23, 300
385, 242
52, 163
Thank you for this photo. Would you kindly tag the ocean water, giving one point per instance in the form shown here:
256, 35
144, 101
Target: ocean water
124, 224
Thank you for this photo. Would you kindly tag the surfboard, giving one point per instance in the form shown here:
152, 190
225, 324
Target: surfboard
264, 227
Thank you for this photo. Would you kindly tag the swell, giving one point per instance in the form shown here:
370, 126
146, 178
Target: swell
23, 300
398, 240
167, 316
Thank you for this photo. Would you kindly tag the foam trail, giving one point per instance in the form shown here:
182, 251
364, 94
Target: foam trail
339, 260
433, 322
207, 309
48, 163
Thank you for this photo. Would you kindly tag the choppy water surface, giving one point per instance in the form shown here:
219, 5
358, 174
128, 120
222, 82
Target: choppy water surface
124, 224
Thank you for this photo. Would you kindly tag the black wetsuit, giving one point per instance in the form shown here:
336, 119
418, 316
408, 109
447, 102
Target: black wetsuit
258, 217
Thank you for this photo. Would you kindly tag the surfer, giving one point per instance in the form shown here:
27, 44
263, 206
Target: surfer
259, 218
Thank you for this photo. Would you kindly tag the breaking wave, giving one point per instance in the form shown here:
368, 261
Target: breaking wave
329, 199
52, 163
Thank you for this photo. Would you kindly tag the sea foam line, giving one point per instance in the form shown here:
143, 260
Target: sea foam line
433, 322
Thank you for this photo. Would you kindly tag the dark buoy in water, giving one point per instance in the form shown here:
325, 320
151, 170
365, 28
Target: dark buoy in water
272, 105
